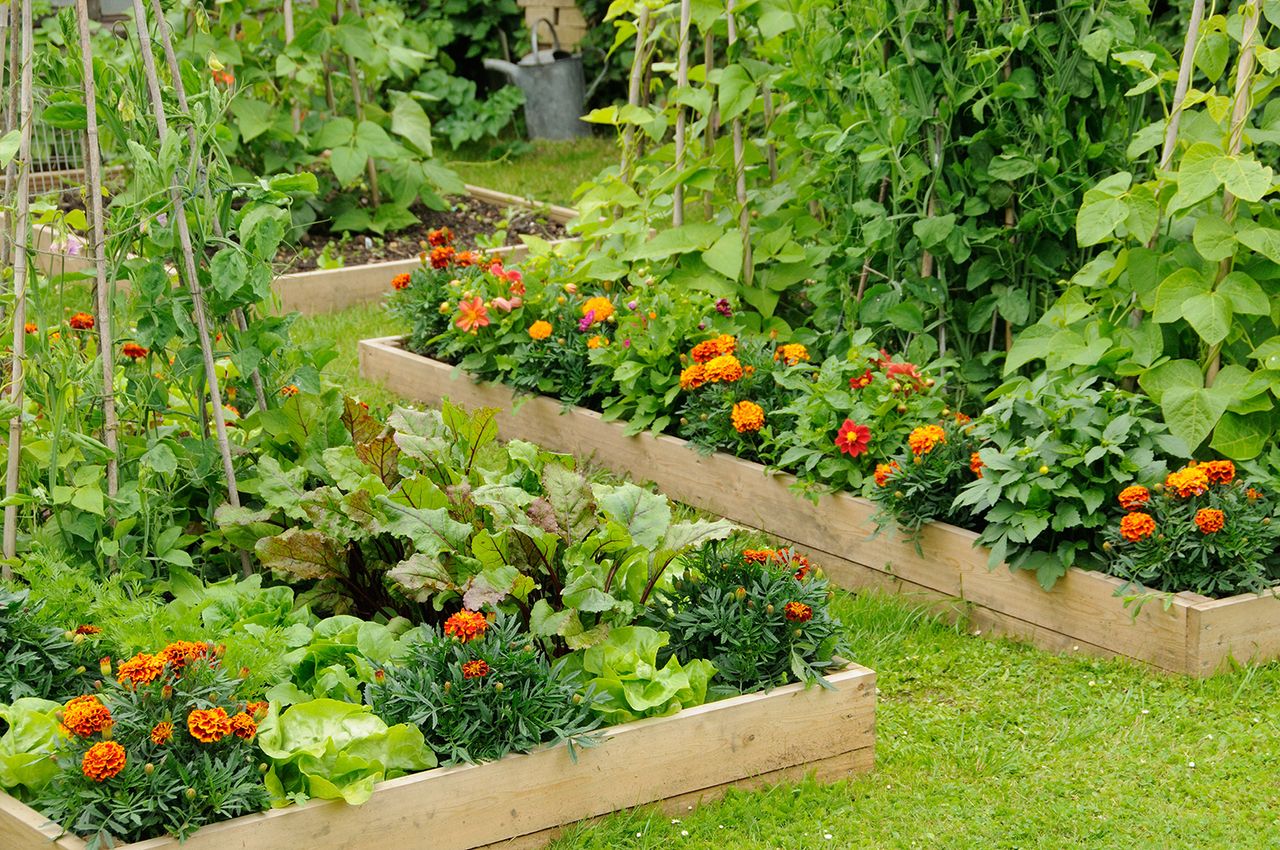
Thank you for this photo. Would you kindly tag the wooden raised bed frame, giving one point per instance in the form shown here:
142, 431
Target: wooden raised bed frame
523, 800
1192, 634
328, 290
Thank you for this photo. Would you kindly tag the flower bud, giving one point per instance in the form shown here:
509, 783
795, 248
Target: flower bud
379, 676
448, 686
902, 408
577, 699
80, 670
70, 635
191, 793
1106, 547
498, 686
262, 768
166, 693
1266, 520
244, 672
740, 593
768, 609
929, 382
148, 768
104, 666
1044, 470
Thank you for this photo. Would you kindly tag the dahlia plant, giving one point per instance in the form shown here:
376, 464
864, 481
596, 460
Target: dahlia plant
1202, 530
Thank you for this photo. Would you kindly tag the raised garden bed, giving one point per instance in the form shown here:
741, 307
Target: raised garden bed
325, 290
1185, 633
523, 800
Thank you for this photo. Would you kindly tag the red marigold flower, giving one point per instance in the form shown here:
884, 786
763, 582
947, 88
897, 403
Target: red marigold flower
757, 556
884, 471
162, 733
1253, 495
86, 716
472, 315
1136, 526
477, 669
208, 726
1133, 497
797, 612
925, 439
86, 629
258, 710
103, 761
133, 351
1210, 520
1220, 471
401, 281
243, 726
466, 625
439, 237
852, 438
861, 382
81, 322
442, 256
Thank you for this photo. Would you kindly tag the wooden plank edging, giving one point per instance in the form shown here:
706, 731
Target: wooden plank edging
691, 755
1083, 613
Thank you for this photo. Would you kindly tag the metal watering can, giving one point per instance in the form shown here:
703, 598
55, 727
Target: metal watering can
554, 87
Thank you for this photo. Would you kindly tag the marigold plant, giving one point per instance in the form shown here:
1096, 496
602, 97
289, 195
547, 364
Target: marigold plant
922, 481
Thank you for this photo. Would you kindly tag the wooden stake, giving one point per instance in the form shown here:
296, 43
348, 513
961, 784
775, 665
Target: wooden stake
288, 39
189, 269
710, 130
97, 248
740, 170
20, 238
357, 95
12, 62
682, 82
633, 92
771, 150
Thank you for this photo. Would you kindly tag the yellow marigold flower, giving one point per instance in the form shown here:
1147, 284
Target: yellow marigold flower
925, 439
208, 726
1137, 525
539, 330
1188, 481
1134, 497
791, 354
693, 376
103, 761
599, 308
747, 416
708, 350
1210, 520
597, 341
723, 368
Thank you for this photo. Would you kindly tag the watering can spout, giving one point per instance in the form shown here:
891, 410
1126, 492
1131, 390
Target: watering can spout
509, 68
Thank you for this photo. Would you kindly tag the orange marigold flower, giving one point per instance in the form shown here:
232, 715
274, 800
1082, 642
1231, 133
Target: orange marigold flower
791, 558
133, 351
1137, 525
861, 382
258, 710
597, 341
852, 438
791, 354
466, 625
976, 464
925, 439
1189, 481
243, 726
179, 653
1210, 520
441, 256
963, 418
797, 612
708, 350
81, 322
440, 236
1220, 471
30, 327
884, 471
289, 390
86, 629
693, 376
209, 725
467, 258
141, 669
1133, 497
723, 368
401, 281
747, 416
103, 761
757, 556
1253, 495
477, 669
540, 330
162, 733
599, 308
86, 716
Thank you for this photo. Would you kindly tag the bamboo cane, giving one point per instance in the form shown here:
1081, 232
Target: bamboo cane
633, 91
709, 131
10, 119
98, 239
20, 271
180, 90
6, 124
357, 95
771, 150
288, 39
740, 170
682, 82
189, 269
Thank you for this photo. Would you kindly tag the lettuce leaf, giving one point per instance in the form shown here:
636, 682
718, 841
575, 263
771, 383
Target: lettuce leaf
26, 749
628, 684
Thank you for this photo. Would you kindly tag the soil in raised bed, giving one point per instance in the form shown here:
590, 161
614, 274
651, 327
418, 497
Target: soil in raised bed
468, 219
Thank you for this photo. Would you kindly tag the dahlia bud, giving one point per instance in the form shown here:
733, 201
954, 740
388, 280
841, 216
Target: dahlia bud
895, 387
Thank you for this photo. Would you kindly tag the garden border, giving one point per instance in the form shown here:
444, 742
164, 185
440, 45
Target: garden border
524, 800
327, 290
1183, 633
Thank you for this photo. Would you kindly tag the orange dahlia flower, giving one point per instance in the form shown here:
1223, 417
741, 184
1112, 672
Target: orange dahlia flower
472, 315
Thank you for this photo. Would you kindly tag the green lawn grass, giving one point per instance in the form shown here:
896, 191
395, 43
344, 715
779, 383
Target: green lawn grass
983, 743
550, 171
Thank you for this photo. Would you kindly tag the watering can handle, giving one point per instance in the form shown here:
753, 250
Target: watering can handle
533, 35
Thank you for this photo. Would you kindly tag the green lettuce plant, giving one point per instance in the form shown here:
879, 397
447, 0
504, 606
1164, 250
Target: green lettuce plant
30, 742
627, 682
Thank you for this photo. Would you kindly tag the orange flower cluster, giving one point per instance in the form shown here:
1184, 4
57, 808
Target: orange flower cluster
209, 725
162, 733
466, 625
976, 464
747, 416
884, 471
791, 354
133, 351
598, 308
540, 330
1191, 480
86, 629
30, 327
86, 716
477, 669
1137, 526
1134, 497
757, 556
141, 669
797, 612
103, 761
1210, 520
708, 350
925, 439
401, 281
81, 322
